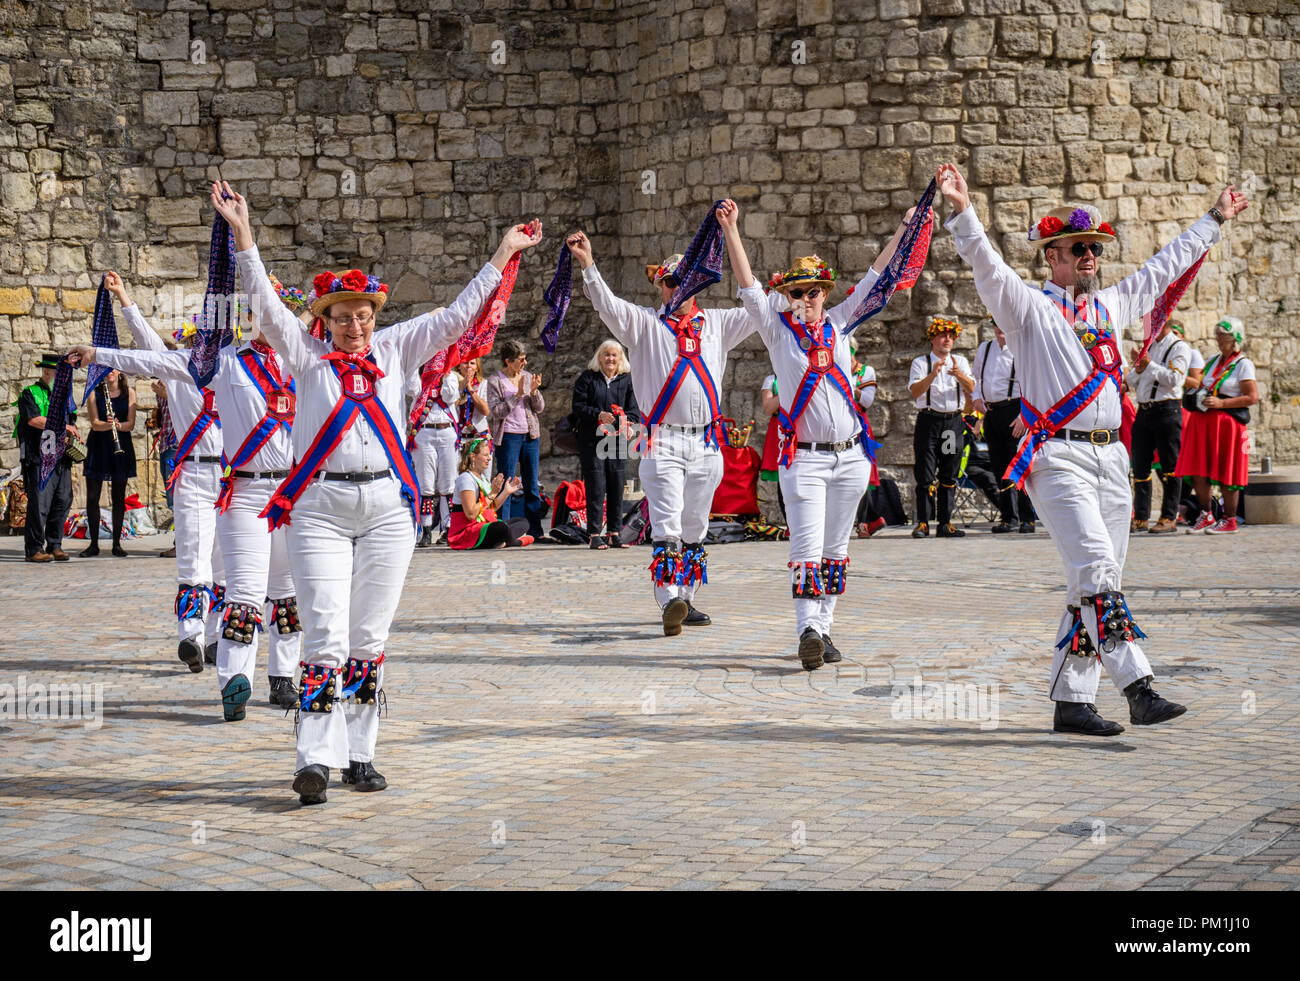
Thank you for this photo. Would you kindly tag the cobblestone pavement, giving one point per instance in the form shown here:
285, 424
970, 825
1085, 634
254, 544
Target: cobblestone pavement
544, 734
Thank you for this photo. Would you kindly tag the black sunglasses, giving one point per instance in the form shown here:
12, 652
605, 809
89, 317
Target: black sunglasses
1079, 248
799, 294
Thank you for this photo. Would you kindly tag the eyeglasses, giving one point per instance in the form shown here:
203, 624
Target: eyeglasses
812, 293
360, 319
1080, 248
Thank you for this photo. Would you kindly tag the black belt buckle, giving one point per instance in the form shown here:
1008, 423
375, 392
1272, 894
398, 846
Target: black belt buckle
1093, 437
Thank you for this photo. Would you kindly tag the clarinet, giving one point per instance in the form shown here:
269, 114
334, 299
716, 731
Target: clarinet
112, 416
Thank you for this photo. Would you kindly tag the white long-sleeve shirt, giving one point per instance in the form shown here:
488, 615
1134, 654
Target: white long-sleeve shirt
867, 396
151, 358
945, 393
995, 379
828, 417
1050, 359
652, 349
1164, 375
398, 350
241, 407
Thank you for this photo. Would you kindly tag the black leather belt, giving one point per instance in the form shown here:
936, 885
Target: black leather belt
437, 425
263, 475
199, 459
940, 415
1097, 437
689, 430
997, 405
1148, 405
358, 476
843, 444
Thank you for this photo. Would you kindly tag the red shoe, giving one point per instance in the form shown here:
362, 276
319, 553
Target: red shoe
525, 540
875, 526
1205, 520
1224, 526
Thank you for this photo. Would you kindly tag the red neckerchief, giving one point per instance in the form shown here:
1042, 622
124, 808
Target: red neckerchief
269, 360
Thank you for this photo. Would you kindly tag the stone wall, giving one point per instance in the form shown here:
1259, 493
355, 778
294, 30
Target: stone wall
399, 135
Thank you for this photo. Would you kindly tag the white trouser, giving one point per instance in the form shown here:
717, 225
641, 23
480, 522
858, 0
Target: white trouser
679, 474
1083, 496
435, 461
257, 569
821, 491
349, 547
198, 553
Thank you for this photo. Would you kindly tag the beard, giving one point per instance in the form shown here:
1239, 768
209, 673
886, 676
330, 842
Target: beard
1087, 285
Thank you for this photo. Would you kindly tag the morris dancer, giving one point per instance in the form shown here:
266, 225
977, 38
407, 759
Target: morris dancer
353, 532
682, 358
434, 448
195, 482
1065, 337
826, 449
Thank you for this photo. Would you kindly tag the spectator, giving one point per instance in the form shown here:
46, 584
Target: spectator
514, 399
1156, 380
1196, 363
47, 506
940, 383
603, 405
474, 408
110, 456
165, 443
770, 501
997, 396
1215, 443
474, 521
863, 378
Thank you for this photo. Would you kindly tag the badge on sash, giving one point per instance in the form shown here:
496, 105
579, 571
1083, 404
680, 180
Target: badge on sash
820, 359
357, 385
1105, 354
280, 405
805, 344
687, 346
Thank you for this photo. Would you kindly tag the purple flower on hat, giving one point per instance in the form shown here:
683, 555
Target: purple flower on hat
372, 284
336, 284
1080, 220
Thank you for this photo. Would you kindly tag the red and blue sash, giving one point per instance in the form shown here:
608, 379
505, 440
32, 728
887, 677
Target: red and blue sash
357, 375
690, 358
1040, 427
280, 401
821, 364
208, 417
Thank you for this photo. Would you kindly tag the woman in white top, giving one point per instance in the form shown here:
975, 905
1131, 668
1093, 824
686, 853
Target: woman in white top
1216, 444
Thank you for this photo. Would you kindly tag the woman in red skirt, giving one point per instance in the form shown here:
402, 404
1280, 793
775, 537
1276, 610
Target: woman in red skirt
474, 522
1216, 445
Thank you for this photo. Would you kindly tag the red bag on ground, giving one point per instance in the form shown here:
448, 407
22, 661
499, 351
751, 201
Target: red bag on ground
570, 504
738, 491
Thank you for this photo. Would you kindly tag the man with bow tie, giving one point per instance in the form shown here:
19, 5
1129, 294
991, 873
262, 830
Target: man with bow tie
677, 360
1066, 338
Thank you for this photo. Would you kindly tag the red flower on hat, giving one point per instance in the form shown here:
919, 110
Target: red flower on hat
1050, 226
321, 284
355, 281
1105, 228
383, 287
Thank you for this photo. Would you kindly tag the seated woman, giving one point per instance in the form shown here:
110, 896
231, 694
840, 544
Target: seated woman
474, 521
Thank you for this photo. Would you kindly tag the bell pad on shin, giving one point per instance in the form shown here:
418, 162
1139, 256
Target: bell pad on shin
318, 688
1077, 641
667, 567
189, 601
286, 615
695, 565
361, 680
834, 573
806, 580
1114, 622
240, 622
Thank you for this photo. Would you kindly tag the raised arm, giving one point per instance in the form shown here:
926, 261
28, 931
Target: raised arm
761, 309
626, 321
1005, 295
1135, 294
842, 311
282, 329
145, 336
172, 366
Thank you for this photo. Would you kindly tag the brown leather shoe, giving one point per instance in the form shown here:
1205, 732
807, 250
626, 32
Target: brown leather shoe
1136, 525
59, 555
39, 557
1165, 526
169, 553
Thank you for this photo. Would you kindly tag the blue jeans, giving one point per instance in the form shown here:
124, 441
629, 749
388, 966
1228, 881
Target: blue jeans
516, 449
166, 464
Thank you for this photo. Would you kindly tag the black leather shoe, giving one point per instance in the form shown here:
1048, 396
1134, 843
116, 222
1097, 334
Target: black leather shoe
1026, 527
426, 539
283, 692
830, 653
1082, 717
234, 697
90, 551
310, 782
1146, 707
1002, 527
950, 530
695, 618
812, 650
191, 652
921, 531
365, 777
675, 613
210, 653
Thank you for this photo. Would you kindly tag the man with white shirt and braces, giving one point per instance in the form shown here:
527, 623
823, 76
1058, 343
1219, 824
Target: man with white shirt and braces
940, 383
1156, 381
1065, 337
997, 396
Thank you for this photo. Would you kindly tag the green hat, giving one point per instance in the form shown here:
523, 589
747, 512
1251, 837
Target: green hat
1233, 326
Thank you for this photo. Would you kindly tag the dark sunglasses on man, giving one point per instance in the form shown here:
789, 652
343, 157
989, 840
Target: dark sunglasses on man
812, 293
1079, 248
